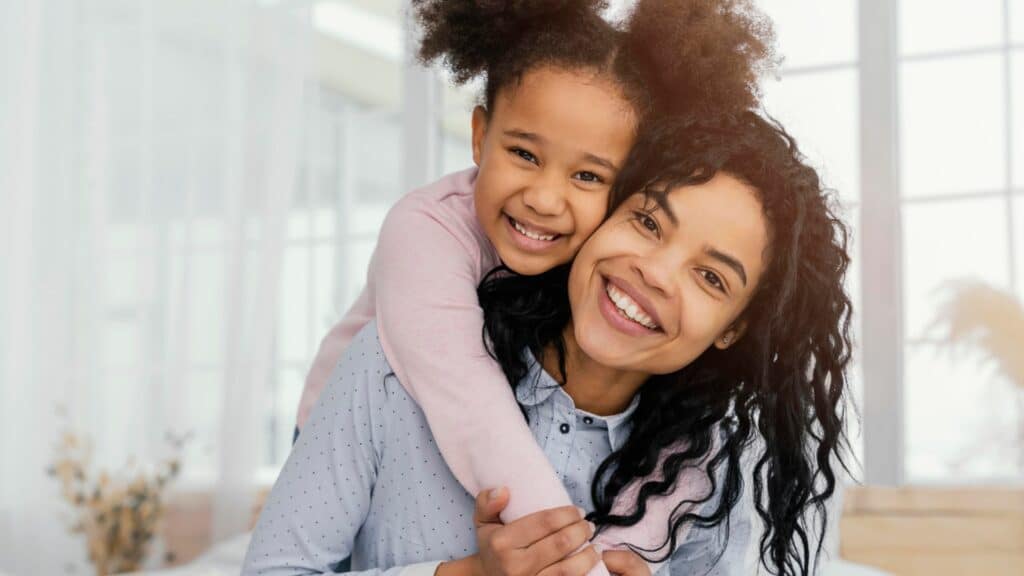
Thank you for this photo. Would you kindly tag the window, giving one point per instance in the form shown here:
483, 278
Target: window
816, 100
956, 192
351, 173
960, 76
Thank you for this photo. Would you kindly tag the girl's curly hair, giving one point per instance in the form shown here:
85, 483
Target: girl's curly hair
778, 395
691, 56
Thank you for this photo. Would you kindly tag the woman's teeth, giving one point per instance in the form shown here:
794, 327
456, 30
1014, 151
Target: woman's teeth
530, 234
629, 308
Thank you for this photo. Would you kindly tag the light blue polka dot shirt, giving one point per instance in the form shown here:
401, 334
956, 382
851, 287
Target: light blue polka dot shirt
365, 489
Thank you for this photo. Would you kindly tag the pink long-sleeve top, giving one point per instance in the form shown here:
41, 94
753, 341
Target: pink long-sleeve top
421, 287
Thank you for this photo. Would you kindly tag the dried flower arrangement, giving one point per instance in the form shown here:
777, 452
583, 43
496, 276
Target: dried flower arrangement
989, 322
119, 515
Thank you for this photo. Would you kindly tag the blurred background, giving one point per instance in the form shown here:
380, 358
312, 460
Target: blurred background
190, 191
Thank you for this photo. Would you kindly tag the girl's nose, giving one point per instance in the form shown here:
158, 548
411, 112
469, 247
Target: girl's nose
546, 197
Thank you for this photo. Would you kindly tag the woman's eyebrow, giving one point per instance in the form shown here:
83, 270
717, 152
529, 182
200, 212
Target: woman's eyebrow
729, 261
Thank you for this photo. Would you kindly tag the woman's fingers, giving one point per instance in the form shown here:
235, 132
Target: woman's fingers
556, 546
625, 563
576, 565
535, 527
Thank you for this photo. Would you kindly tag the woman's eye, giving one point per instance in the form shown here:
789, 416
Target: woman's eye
524, 155
714, 280
647, 221
589, 177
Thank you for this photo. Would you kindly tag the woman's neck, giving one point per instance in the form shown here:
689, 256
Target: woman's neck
595, 388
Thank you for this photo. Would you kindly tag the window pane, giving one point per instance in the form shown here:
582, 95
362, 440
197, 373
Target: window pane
202, 394
820, 111
287, 390
952, 126
358, 261
1017, 87
962, 417
946, 242
1018, 242
813, 33
929, 26
294, 344
375, 154
206, 304
457, 109
1017, 21
325, 294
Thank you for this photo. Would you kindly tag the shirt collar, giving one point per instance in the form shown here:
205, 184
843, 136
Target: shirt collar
538, 386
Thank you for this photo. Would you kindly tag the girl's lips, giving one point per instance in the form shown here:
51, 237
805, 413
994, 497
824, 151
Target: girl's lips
614, 317
524, 242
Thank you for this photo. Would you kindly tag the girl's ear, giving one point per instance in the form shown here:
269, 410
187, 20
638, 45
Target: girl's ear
479, 131
731, 336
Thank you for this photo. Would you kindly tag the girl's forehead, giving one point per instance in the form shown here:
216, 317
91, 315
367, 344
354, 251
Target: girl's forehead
545, 86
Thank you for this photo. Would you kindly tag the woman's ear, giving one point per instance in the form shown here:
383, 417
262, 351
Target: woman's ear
479, 131
731, 336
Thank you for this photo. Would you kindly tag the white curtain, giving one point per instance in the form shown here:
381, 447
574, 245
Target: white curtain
148, 157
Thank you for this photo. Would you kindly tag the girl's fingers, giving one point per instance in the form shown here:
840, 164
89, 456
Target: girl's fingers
576, 565
535, 527
554, 547
489, 504
625, 563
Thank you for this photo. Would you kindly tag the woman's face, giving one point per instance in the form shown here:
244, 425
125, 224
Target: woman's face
656, 285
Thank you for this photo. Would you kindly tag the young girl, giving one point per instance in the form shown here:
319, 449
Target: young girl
564, 93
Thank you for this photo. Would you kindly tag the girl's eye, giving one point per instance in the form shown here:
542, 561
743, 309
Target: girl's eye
589, 177
713, 280
647, 221
525, 155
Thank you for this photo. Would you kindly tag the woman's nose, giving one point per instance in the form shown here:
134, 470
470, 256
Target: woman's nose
656, 271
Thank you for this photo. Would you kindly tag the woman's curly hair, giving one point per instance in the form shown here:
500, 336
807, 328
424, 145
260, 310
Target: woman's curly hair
777, 396
681, 56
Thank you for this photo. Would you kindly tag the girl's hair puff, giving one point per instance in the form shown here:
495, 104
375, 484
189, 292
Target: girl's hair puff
705, 58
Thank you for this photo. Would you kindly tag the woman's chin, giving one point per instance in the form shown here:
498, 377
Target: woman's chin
603, 345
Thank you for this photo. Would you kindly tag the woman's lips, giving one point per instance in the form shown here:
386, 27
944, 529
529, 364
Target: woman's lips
644, 303
616, 318
526, 243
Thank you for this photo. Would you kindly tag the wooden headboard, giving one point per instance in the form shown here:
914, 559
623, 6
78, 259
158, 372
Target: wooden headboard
935, 531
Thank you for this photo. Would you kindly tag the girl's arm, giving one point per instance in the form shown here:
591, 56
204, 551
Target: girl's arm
425, 272
320, 501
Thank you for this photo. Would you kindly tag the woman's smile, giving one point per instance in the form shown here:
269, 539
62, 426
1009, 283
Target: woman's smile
625, 310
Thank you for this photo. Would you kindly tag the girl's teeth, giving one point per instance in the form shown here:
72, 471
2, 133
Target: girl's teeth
529, 234
629, 307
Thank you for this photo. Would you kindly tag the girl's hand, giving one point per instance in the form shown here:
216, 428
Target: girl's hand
625, 563
542, 543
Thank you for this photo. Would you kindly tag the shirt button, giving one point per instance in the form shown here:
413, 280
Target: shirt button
588, 420
564, 428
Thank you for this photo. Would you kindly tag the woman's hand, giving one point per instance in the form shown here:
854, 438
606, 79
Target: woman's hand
625, 563
541, 544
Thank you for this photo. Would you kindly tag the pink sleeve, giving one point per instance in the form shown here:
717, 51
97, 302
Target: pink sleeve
431, 328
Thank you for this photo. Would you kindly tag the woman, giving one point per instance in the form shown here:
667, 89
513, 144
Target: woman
708, 304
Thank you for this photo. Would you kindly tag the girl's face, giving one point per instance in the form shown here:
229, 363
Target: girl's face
547, 154
657, 285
